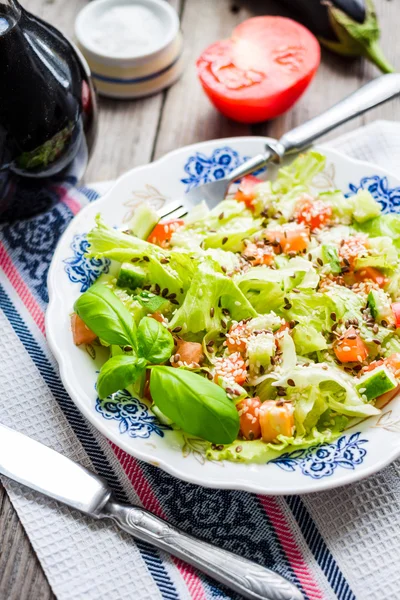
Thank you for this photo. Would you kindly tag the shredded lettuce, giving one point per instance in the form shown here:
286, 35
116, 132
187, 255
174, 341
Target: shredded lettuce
209, 293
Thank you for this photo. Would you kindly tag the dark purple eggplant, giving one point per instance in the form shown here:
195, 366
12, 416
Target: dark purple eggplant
347, 27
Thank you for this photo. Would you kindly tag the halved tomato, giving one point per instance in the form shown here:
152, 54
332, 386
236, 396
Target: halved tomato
261, 71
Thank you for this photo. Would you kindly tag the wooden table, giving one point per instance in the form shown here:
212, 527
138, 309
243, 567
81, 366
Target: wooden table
133, 133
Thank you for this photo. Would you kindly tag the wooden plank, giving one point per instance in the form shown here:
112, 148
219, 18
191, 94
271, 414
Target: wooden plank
21, 576
127, 128
188, 116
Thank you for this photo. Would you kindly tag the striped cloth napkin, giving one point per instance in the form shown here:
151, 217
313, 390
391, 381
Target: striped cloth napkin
343, 544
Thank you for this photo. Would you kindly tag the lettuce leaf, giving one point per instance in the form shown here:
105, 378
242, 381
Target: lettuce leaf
208, 294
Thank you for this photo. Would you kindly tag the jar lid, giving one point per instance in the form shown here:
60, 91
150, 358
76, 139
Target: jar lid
126, 32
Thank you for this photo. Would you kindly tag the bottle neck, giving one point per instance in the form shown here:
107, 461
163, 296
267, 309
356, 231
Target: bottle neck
10, 12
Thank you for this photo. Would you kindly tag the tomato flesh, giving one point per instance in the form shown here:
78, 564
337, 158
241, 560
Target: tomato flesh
371, 274
313, 213
162, 232
396, 313
81, 332
289, 238
351, 348
261, 71
245, 192
250, 427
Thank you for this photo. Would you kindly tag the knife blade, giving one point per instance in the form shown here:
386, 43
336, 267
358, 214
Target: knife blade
42, 469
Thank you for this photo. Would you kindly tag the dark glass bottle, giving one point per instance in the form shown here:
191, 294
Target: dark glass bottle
48, 112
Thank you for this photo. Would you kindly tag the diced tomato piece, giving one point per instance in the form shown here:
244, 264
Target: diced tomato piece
352, 248
261, 71
231, 367
276, 419
162, 232
258, 255
373, 365
387, 397
250, 427
371, 274
245, 192
158, 317
291, 238
313, 213
351, 348
81, 332
393, 363
190, 353
396, 313
236, 338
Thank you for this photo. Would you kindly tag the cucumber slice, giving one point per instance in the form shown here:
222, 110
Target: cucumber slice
131, 276
379, 262
380, 306
260, 348
151, 302
374, 384
371, 300
330, 256
143, 221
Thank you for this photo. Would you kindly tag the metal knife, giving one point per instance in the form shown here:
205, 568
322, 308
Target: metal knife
48, 472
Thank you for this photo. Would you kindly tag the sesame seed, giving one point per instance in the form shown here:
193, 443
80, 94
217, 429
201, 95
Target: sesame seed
223, 324
174, 301
224, 240
164, 293
136, 259
287, 306
378, 342
238, 448
384, 323
296, 291
177, 329
320, 262
333, 316
221, 216
212, 312
164, 261
291, 383
146, 258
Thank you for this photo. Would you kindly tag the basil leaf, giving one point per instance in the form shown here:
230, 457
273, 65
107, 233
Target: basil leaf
155, 343
197, 405
106, 315
117, 373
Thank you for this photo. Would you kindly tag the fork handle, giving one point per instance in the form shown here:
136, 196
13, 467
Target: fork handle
374, 93
241, 575
370, 95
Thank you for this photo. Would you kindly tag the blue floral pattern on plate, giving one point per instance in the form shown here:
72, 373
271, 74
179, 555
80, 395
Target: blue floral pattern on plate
322, 461
203, 169
133, 416
82, 270
388, 198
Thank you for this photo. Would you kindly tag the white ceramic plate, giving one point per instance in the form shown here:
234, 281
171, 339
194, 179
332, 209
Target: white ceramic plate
128, 422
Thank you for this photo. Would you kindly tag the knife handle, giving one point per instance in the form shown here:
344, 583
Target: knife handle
241, 575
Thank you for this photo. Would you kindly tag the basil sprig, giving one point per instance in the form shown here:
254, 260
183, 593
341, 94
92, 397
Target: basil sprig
155, 343
195, 404
119, 372
104, 313
150, 343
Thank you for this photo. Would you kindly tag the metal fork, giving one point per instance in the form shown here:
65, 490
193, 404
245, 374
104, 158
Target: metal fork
378, 91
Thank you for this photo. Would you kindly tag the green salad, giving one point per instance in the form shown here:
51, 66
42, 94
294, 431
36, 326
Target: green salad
266, 324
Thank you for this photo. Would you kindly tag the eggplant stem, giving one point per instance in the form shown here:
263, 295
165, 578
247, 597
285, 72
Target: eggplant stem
375, 54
